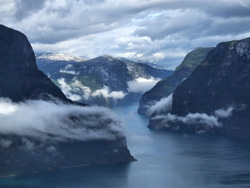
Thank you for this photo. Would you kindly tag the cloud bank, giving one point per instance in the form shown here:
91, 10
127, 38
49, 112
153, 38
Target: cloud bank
105, 92
197, 118
165, 104
78, 92
150, 30
45, 120
71, 90
140, 85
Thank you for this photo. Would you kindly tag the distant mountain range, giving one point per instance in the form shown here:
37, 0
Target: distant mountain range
105, 80
215, 98
152, 64
59, 57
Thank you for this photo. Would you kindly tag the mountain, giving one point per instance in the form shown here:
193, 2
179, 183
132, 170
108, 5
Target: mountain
167, 86
20, 78
50, 56
40, 128
105, 80
215, 98
152, 64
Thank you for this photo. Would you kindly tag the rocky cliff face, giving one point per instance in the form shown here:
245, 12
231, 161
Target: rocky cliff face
215, 98
167, 86
40, 129
104, 80
20, 78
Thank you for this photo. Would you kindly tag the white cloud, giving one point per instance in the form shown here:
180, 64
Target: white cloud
68, 90
78, 87
197, 118
27, 144
76, 91
7, 11
148, 30
165, 104
105, 92
224, 113
69, 72
140, 85
5, 143
192, 118
44, 120
159, 55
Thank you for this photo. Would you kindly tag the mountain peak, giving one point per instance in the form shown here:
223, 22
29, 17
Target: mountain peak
20, 78
53, 56
107, 57
15, 50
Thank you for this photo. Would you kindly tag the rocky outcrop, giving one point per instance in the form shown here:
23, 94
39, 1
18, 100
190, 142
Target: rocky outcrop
215, 98
40, 128
100, 81
167, 86
20, 78
19, 159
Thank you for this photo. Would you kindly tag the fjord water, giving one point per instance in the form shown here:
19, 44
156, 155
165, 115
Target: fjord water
165, 160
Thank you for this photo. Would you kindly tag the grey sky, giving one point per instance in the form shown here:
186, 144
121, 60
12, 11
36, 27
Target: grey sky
149, 30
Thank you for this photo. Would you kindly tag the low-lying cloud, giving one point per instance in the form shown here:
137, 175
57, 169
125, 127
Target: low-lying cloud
197, 118
78, 92
224, 113
105, 92
165, 104
141, 85
67, 70
44, 120
74, 90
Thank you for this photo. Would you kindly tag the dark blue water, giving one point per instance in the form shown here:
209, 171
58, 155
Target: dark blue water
165, 160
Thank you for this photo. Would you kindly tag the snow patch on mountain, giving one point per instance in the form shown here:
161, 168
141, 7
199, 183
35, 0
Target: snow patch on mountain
59, 57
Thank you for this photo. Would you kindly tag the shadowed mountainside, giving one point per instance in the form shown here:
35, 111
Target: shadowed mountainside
40, 128
167, 86
215, 98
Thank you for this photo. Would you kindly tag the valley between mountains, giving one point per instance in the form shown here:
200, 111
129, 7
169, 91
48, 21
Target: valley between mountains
56, 109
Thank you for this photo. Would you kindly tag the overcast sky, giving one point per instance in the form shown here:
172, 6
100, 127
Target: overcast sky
153, 30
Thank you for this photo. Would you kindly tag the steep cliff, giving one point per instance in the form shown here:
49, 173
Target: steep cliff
40, 129
215, 98
20, 78
167, 86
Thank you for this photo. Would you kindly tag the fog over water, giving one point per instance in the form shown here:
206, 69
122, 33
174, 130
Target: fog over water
165, 160
46, 120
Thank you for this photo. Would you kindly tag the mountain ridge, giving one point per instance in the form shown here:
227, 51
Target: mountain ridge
113, 78
215, 98
166, 86
41, 129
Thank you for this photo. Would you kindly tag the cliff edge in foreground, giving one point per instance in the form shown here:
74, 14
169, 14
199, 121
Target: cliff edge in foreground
40, 129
